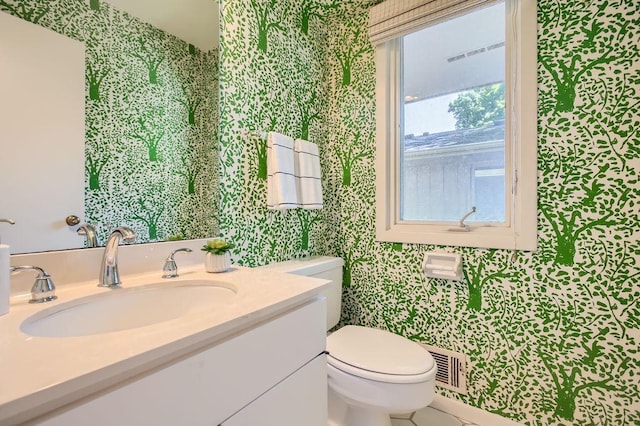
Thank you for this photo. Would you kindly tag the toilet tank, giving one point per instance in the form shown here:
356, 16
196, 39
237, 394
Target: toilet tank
326, 267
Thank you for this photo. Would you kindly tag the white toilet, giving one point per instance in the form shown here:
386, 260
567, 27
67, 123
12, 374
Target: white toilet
371, 373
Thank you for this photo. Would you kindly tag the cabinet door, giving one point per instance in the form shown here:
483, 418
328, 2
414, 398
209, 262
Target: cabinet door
300, 399
211, 385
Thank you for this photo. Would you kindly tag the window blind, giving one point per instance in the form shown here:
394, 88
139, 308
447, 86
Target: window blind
394, 18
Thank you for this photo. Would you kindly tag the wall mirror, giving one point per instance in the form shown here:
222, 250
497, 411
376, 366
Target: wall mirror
148, 125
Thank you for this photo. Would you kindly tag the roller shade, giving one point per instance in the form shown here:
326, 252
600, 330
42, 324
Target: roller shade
394, 18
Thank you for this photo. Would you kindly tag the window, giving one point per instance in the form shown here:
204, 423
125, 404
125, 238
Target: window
456, 122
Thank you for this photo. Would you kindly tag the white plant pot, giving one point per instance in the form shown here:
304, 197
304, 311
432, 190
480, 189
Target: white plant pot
217, 262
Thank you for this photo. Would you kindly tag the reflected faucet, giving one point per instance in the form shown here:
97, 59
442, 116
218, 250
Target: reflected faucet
109, 266
90, 232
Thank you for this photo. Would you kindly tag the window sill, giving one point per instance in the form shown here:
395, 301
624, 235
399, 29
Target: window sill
480, 236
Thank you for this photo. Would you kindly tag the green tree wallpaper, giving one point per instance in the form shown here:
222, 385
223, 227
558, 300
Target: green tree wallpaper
552, 336
272, 78
151, 120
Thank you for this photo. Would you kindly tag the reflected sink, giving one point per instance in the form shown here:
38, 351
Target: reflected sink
127, 308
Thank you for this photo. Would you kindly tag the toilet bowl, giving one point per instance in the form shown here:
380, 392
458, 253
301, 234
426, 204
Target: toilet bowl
377, 373
371, 373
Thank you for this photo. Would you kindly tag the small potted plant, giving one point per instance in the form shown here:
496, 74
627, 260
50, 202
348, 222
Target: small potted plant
217, 257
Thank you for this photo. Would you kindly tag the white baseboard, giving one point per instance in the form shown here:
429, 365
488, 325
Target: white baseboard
467, 412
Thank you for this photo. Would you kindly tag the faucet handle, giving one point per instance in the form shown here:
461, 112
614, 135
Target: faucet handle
170, 267
43, 289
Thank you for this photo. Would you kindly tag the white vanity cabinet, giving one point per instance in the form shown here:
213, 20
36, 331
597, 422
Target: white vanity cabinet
271, 373
293, 402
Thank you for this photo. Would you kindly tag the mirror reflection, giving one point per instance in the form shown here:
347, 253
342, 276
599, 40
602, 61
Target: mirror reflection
147, 151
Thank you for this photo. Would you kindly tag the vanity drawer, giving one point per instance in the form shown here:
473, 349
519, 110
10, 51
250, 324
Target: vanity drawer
209, 386
290, 402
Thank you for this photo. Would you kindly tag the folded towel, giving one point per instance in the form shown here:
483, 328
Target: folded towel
307, 169
281, 180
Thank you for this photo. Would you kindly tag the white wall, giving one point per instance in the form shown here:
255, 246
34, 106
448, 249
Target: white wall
42, 94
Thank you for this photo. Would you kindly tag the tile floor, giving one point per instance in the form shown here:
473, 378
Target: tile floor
428, 417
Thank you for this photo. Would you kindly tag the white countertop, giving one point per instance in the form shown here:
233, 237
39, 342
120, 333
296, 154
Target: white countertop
39, 374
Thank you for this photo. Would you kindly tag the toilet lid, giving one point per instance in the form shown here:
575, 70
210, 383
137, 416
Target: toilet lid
378, 351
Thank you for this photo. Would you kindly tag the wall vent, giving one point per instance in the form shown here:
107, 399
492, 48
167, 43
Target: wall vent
452, 369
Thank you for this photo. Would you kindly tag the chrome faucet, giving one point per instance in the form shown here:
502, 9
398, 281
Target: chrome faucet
109, 266
43, 289
170, 268
90, 232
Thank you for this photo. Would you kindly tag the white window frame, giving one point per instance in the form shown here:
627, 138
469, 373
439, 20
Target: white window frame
520, 231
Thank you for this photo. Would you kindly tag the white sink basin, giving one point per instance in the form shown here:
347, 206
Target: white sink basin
127, 308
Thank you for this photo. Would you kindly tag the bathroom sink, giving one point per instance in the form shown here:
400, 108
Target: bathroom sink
128, 308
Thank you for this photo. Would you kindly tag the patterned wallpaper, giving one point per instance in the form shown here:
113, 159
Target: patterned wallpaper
552, 336
272, 77
151, 120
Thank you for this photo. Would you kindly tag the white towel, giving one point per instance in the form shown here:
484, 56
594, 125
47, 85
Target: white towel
307, 161
281, 180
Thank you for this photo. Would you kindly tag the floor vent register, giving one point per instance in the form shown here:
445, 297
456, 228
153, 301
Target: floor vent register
452, 369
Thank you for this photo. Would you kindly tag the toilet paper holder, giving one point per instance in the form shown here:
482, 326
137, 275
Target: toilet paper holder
442, 265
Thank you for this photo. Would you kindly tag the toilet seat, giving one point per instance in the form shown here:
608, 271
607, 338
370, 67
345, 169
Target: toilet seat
379, 355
